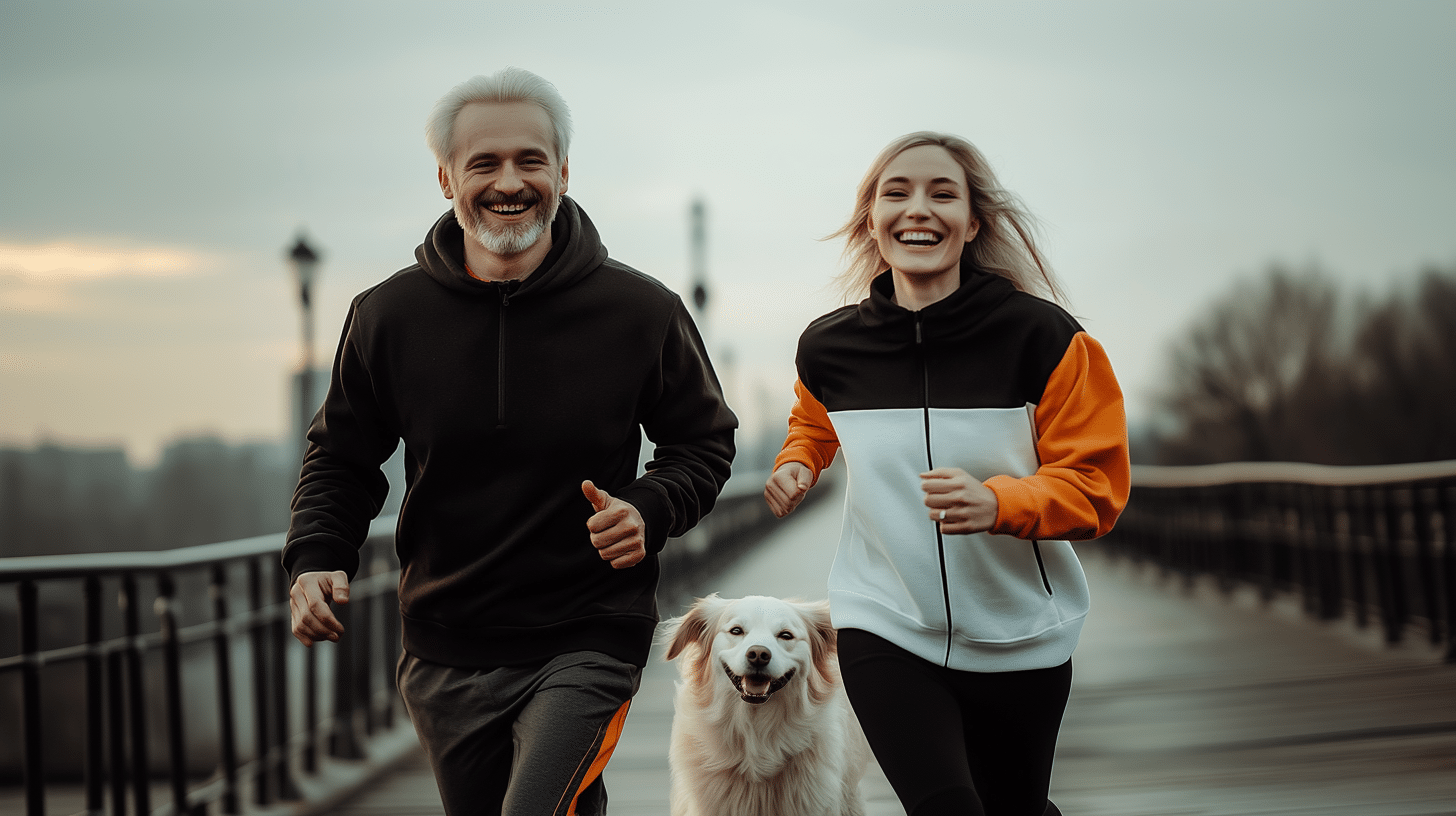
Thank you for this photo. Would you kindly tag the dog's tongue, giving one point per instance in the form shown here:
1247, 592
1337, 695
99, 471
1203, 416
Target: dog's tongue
757, 685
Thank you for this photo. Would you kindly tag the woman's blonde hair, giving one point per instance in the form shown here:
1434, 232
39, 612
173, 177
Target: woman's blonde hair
1004, 245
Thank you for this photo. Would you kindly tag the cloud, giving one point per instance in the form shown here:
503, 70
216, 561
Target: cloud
69, 260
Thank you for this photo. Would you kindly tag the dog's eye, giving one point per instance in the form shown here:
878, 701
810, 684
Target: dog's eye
737, 630
786, 635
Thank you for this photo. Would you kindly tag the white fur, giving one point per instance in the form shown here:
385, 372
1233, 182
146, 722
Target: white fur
800, 753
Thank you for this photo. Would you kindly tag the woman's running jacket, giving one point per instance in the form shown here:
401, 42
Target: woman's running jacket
1003, 385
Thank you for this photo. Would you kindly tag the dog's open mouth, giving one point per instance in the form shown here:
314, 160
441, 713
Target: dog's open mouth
757, 688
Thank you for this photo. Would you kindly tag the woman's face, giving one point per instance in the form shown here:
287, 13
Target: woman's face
921, 214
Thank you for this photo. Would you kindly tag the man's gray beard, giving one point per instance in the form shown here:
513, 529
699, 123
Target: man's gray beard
510, 240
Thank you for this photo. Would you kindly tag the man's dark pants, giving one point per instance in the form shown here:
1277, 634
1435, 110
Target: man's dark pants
520, 740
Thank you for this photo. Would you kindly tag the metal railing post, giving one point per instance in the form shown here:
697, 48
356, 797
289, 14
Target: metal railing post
1332, 598
1353, 589
309, 759
343, 736
257, 639
1380, 559
1395, 568
1268, 543
165, 606
1424, 520
389, 601
95, 770
116, 726
1447, 541
363, 644
34, 760
1306, 542
136, 698
287, 790
226, 712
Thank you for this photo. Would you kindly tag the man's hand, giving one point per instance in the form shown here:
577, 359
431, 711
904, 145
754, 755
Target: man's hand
308, 604
960, 502
617, 529
787, 487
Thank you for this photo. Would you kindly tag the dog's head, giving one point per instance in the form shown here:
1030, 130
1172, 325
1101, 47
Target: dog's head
758, 644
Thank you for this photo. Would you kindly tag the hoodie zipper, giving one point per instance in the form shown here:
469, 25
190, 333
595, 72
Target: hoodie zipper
506, 287
930, 463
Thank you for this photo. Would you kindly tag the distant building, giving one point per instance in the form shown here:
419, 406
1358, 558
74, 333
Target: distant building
44, 489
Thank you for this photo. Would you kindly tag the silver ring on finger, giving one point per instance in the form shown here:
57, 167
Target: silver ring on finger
942, 515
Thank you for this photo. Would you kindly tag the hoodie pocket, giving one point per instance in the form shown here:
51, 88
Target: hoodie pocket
1041, 567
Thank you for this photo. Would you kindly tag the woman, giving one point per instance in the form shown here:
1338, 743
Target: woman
982, 429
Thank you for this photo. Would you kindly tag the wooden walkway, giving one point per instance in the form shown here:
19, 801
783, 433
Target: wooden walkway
1185, 703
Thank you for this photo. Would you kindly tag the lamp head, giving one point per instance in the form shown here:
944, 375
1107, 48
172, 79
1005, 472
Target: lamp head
304, 261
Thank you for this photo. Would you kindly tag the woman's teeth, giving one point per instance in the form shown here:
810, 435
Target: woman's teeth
919, 238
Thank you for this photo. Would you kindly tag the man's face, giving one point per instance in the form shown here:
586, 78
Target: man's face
505, 179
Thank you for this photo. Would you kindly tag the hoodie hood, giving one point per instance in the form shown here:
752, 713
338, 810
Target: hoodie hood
576, 250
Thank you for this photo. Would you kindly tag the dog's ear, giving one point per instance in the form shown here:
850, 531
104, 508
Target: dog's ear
694, 627
821, 626
823, 644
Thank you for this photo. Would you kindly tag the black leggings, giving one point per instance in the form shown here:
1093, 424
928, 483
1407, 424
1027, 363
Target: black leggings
952, 742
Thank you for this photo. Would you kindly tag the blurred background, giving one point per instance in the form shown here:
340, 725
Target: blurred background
1249, 204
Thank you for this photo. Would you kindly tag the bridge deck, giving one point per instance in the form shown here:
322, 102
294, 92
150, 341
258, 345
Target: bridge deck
1184, 703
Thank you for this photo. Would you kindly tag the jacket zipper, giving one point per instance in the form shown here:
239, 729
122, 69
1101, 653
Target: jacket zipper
930, 463
500, 356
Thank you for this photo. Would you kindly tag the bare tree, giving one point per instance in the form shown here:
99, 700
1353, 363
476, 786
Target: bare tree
1273, 372
1236, 381
1403, 375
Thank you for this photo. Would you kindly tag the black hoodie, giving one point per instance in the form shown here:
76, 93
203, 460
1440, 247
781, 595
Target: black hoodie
507, 396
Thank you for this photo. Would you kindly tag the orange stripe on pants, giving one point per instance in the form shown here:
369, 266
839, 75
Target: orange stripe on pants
604, 754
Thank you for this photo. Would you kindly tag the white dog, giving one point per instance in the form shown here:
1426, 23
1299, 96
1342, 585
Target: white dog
762, 725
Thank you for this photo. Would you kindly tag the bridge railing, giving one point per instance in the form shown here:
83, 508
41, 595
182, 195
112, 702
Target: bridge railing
1370, 542
173, 675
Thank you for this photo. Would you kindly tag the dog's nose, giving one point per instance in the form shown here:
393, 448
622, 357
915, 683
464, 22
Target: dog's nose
759, 656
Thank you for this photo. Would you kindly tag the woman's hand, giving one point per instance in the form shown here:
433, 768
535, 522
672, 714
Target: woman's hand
787, 487
960, 502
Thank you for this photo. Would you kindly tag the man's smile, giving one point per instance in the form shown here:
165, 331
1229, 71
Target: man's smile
508, 208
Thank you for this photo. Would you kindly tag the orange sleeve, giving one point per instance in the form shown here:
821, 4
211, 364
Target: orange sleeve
811, 440
1082, 483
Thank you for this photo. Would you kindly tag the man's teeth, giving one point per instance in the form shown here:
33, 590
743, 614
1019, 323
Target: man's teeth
919, 237
508, 209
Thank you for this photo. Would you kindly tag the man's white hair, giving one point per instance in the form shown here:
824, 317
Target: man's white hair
506, 85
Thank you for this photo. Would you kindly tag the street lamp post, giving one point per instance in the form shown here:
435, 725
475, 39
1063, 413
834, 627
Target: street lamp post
344, 741
304, 262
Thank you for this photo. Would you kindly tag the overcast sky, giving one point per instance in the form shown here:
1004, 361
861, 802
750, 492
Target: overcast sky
158, 158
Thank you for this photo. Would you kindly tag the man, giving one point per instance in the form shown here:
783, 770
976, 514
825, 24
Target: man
517, 362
